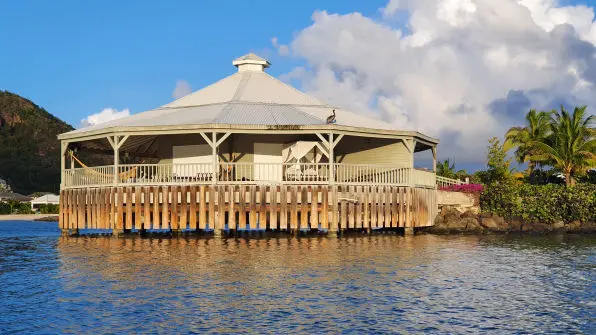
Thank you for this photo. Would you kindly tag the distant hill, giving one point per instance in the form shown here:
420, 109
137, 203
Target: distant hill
29, 149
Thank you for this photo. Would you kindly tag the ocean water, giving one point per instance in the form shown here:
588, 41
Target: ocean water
357, 284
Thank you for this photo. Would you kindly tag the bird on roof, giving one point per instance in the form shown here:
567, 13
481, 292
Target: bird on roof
331, 118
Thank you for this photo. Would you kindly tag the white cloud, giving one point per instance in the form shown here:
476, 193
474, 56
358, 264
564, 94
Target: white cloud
182, 89
282, 49
464, 70
107, 114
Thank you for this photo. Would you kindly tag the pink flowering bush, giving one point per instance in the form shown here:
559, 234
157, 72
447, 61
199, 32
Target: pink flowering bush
465, 188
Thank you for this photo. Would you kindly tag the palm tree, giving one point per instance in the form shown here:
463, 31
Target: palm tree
536, 130
571, 146
447, 170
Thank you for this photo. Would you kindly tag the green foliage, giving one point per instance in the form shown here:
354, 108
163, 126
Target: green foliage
49, 209
15, 207
541, 203
537, 128
29, 149
499, 170
571, 145
447, 169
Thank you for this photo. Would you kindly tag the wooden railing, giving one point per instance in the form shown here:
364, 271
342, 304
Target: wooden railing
443, 181
248, 173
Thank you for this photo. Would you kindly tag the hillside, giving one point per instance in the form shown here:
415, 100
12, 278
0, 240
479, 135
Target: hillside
29, 150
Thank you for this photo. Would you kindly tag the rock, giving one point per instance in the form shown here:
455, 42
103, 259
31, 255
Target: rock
515, 225
472, 225
579, 227
469, 214
540, 228
450, 214
558, 225
495, 223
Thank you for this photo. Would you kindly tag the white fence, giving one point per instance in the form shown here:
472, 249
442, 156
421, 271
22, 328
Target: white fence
443, 182
234, 173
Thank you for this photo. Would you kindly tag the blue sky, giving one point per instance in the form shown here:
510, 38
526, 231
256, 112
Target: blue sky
75, 58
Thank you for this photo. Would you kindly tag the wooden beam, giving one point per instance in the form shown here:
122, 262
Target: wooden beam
323, 139
206, 138
337, 140
223, 138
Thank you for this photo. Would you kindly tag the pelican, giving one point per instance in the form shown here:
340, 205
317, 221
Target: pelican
331, 118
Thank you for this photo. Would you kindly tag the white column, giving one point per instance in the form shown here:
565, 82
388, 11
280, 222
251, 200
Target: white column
116, 148
214, 154
331, 160
63, 149
434, 150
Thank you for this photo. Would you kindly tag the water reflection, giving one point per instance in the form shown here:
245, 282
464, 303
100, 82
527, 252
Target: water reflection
359, 284
356, 284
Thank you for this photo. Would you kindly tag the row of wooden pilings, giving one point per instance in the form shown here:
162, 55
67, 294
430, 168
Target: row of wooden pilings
231, 208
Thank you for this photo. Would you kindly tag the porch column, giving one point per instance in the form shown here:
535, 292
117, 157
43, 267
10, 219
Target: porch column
214, 144
434, 150
116, 142
214, 157
331, 160
63, 149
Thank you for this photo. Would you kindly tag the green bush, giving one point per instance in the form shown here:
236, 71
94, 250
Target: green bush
49, 209
541, 203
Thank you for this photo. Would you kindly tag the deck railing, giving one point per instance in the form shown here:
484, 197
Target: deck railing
233, 173
443, 181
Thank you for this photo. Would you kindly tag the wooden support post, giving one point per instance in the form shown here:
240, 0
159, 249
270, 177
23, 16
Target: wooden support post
183, 220
314, 208
138, 204
156, 216
283, 211
242, 208
232, 208
366, 204
252, 216
202, 208
325, 208
211, 204
333, 224
263, 207
360, 199
294, 209
273, 207
351, 209
221, 208
303, 207
165, 208
193, 208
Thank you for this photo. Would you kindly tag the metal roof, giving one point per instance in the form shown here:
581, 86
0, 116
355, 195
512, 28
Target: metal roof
247, 97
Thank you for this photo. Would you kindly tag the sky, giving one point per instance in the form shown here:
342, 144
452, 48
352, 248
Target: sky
459, 70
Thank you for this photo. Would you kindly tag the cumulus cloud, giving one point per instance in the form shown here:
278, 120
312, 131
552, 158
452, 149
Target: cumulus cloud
107, 114
460, 70
182, 89
282, 49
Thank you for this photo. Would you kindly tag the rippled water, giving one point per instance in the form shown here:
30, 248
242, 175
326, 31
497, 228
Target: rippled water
370, 284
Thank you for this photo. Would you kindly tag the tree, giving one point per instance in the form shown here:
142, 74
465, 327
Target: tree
498, 164
447, 169
523, 138
571, 146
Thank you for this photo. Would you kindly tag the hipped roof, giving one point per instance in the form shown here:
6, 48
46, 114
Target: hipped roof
248, 97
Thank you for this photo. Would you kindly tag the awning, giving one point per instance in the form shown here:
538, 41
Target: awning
311, 151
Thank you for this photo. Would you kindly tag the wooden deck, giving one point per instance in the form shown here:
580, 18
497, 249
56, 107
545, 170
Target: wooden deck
231, 208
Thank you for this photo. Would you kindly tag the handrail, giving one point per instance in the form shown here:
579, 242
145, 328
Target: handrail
444, 181
239, 173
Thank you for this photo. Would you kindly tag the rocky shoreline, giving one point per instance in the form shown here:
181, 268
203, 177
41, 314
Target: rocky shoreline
452, 221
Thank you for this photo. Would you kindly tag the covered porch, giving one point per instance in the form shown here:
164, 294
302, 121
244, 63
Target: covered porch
232, 157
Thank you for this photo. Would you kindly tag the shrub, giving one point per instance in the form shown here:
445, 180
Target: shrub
465, 188
49, 209
541, 203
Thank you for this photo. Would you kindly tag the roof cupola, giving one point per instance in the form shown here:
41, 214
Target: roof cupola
251, 62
